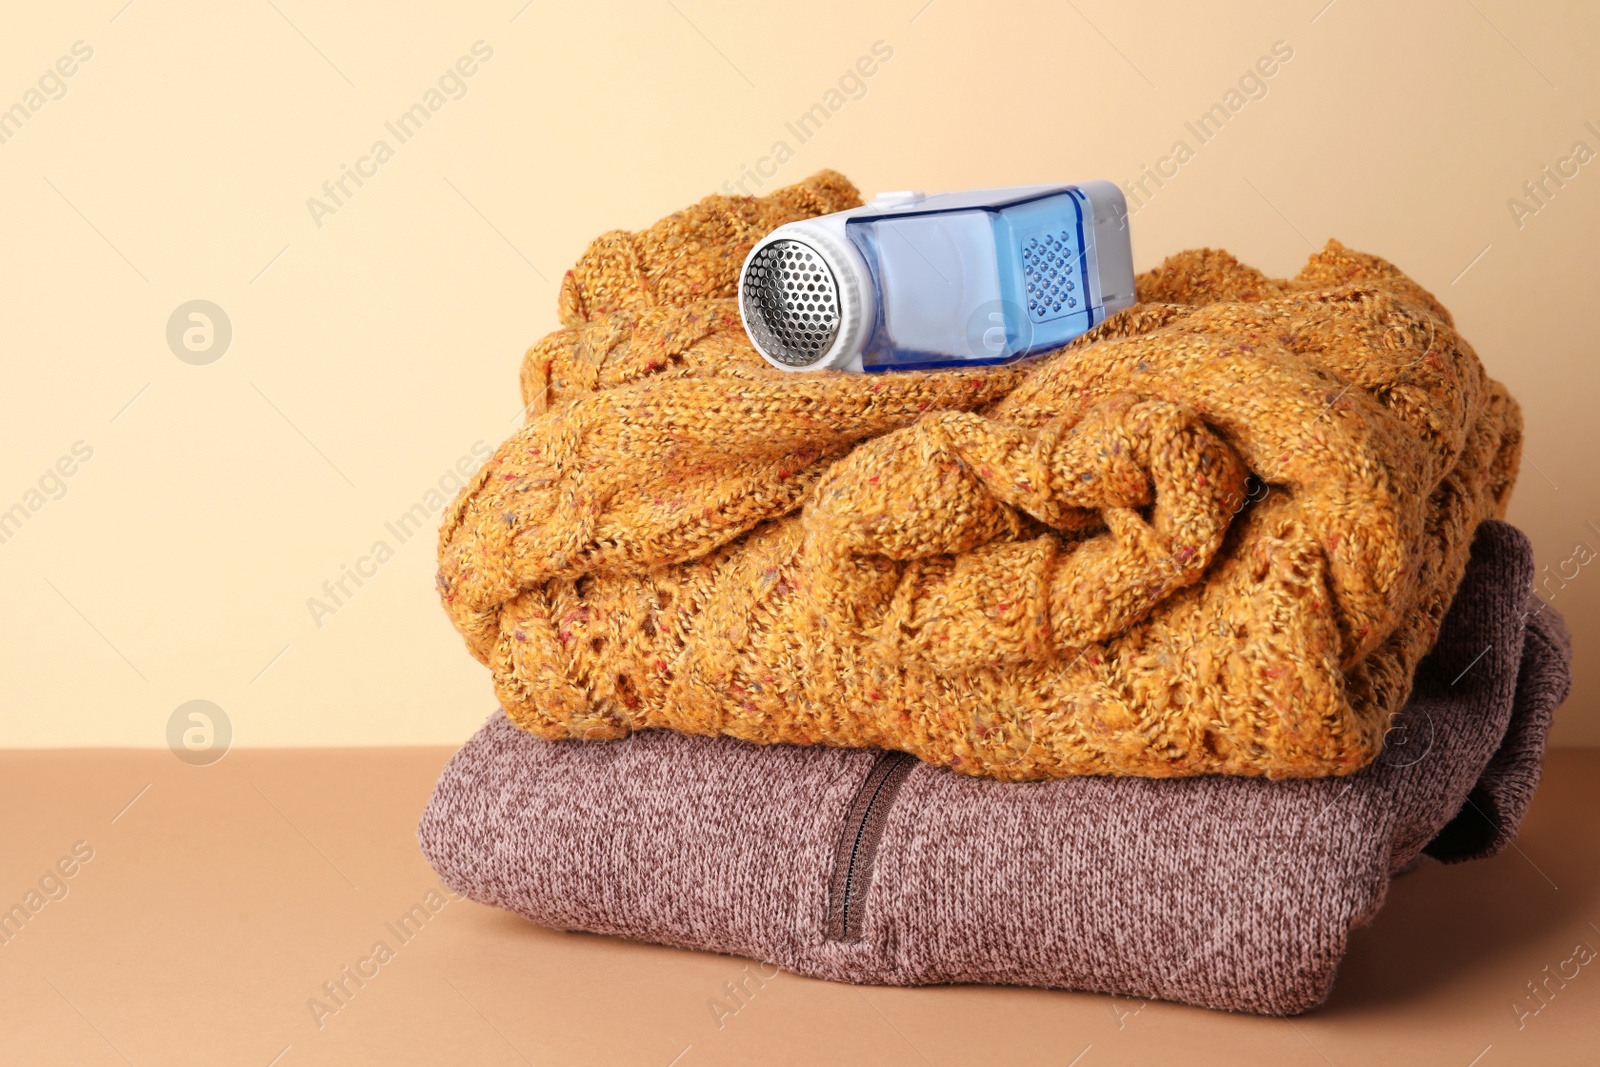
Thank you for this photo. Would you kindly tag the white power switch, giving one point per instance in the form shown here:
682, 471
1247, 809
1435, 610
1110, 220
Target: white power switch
899, 198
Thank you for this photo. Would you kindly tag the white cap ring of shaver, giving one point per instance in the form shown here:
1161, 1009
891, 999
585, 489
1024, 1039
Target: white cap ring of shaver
805, 297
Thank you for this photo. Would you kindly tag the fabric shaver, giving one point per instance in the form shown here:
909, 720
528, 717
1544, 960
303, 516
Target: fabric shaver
915, 282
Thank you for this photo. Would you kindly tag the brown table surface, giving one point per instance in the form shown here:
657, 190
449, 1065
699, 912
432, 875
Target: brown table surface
220, 899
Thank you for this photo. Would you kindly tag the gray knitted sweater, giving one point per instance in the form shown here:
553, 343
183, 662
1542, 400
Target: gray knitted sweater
867, 866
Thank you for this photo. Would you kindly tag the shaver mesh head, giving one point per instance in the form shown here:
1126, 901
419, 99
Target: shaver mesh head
790, 303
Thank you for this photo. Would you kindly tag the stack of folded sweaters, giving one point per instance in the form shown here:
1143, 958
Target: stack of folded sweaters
1138, 667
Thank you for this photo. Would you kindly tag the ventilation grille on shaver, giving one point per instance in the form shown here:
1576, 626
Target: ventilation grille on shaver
1049, 267
790, 303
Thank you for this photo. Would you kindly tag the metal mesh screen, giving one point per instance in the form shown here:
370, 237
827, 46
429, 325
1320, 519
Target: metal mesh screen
790, 303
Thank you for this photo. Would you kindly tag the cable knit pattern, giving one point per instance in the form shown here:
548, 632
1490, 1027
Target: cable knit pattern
1213, 535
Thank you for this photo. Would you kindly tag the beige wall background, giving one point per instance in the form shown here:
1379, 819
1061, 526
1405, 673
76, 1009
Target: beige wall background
375, 342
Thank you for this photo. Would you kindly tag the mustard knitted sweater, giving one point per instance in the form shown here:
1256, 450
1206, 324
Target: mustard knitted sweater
1213, 535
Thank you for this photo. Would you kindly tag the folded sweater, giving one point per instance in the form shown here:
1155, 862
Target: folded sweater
1213, 535
869, 866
